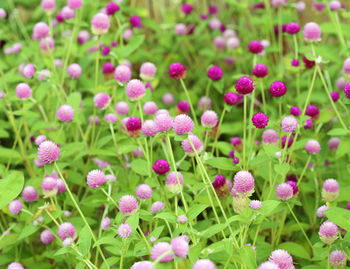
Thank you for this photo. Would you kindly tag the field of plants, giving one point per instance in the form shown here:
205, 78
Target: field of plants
172, 134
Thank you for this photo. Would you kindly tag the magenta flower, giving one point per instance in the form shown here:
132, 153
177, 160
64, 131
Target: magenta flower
215, 73
177, 71
260, 120
244, 85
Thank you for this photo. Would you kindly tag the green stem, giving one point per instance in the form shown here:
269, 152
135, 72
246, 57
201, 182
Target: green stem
244, 129
302, 229
189, 101
80, 212
330, 98
304, 170
175, 170
218, 131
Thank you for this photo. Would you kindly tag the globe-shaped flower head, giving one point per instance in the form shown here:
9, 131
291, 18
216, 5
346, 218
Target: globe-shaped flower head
244, 85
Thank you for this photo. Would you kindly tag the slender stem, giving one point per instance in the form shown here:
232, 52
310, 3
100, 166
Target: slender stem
304, 170
309, 92
80, 212
160, 257
218, 131
95, 90
302, 229
110, 198
263, 94
175, 170
244, 129
189, 101
144, 238
330, 98
207, 91
201, 166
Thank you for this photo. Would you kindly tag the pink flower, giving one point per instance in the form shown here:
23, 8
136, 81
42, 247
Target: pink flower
312, 32
29, 194
172, 184
328, 232
243, 183
101, 100
182, 124
312, 146
161, 248
124, 230
100, 24
187, 147
149, 128
128, 205
150, 107
15, 207
122, 108
269, 136
65, 113
282, 258
46, 237
163, 122
144, 191
337, 258
157, 206
95, 178
74, 70
284, 191
66, 229
180, 247
204, 264
48, 152
75, 4
289, 124
23, 91
135, 89
148, 71
122, 73
40, 30
209, 119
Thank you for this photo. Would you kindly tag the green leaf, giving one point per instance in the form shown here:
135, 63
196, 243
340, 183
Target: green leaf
180, 137
295, 249
134, 43
213, 230
107, 240
248, 257
269, 206
6, 154
281, 169
140, 166
13, 184
343, 149
27, 231
84, 240
221, 163
337, 132
74, 100
166, 216
195, 210
339, 216
133, 221
8, 240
